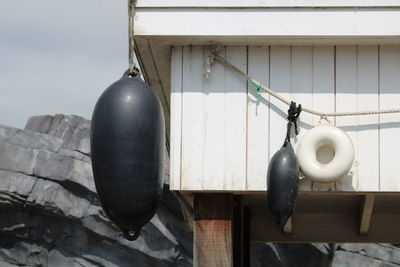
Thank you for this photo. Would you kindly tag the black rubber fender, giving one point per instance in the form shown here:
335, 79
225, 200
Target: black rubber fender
127, 150
282, 181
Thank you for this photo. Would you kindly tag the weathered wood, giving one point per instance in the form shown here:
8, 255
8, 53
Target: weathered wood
161, 45
176, 118
246, 235
235, 121
213, 133
154, 59
251, 18
241, 233
346, 99
330, 218
389, 82
368, 129
263, 4
237, 231
192, 118
366, 213
302, 89
331, 228
280, 80
357, 87
332, 22
228, 134
213, 229
258, 120
323, 97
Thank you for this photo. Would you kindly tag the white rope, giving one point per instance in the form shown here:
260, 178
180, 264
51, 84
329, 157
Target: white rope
133, 70
214, 57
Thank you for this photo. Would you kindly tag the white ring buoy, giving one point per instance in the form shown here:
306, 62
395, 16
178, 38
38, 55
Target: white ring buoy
312, 141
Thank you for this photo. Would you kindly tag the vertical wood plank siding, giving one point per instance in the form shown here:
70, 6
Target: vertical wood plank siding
257, 120
302, 88
223, 134
389, 141
323, 97
176, 117
346, 99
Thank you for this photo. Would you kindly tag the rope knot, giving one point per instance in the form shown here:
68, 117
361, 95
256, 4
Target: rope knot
210, 60
293, 114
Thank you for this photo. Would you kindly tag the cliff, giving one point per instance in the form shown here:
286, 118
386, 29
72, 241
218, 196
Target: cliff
49, 212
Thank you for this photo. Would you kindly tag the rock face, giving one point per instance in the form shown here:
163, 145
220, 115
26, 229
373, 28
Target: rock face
49, 212
50, 215
318, 254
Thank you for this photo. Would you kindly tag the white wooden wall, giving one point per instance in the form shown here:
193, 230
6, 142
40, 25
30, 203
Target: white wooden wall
222, 135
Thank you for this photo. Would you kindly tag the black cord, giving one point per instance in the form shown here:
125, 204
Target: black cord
293, 114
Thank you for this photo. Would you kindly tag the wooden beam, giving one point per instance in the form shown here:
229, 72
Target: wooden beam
155, 60
263, 3
327, 228
213, 230
332, 22
366, 213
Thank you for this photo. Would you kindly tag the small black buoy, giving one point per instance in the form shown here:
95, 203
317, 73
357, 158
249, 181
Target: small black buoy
127, 149
283, 175
283, 179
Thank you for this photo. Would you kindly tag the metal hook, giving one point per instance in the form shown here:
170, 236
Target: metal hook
210, 60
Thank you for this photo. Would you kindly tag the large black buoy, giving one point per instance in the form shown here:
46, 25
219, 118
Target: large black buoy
283, 175
127, 149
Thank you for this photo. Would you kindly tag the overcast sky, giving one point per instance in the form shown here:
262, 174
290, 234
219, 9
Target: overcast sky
58, 56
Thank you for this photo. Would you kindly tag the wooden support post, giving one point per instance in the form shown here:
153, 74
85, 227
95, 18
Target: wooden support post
246, 237
366, 213
237, 234
213, 229
241, 233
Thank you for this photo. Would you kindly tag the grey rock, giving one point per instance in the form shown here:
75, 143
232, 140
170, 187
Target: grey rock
289, 255
61, 167
17, 158
349, 259
14, 187
39, 124
49, 211
44, 163
318, 254
6, 264
75, 155
366, 254
73, 130
14, 136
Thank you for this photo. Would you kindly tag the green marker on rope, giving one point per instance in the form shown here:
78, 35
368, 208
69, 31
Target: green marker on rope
257, 86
